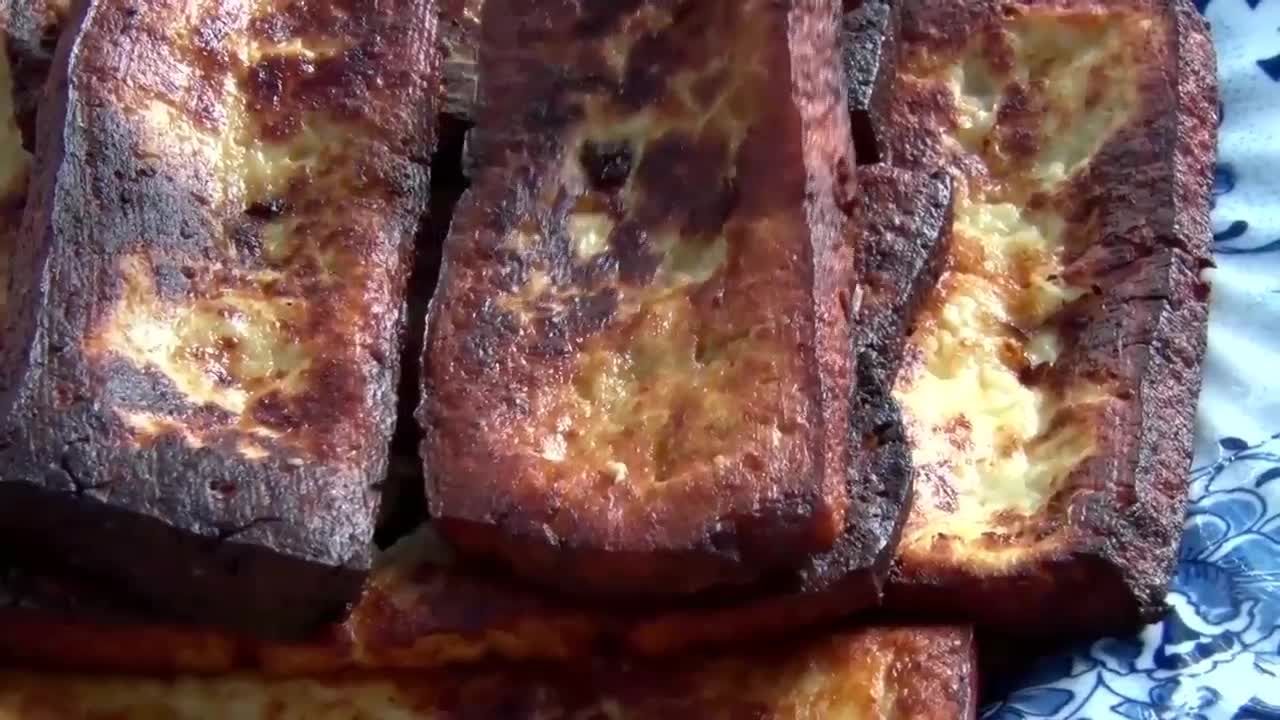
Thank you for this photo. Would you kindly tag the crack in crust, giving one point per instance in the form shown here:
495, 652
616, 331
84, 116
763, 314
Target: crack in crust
1055, 371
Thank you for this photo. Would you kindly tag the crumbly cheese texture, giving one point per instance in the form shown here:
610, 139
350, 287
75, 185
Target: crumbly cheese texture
992, 446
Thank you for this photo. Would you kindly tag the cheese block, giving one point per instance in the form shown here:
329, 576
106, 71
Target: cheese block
1052, 377
208, 299
921, 673
636, 365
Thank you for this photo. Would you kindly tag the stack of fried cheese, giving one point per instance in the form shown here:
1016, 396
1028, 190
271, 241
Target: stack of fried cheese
767, 336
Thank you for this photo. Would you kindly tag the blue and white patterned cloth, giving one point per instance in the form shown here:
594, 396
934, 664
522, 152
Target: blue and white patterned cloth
1217, 655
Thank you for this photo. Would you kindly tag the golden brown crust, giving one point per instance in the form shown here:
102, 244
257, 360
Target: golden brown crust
205, 336
1095, 168
920, 673
636, 366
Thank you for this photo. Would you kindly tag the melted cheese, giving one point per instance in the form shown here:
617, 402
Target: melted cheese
589, 232
989, 447
1081, 72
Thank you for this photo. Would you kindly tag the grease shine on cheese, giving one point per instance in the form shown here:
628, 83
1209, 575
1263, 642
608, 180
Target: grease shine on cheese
987, 448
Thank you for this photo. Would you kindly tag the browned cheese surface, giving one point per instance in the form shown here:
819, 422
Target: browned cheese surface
1051, 385
207, 317
636, 366
915, 673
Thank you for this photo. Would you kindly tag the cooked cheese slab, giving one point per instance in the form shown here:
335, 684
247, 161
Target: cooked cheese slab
208, 299
1052, 379
636, 367
425, 607
924, 673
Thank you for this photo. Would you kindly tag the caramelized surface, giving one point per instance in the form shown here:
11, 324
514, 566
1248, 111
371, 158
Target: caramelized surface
917, 673
268, 341
638, 317
1025, 106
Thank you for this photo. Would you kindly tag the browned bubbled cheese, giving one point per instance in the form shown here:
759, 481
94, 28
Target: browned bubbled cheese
1053, 374
206, 321
920, 673
636, 367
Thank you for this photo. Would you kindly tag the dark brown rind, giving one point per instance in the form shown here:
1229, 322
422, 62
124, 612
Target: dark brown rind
720, 523
271, 545
900, 233
869, 57
1105, 548
916, 672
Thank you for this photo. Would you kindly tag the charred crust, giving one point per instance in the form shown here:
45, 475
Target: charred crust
153, 458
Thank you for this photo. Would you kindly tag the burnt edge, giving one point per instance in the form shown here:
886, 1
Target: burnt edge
70, 489
1154, 178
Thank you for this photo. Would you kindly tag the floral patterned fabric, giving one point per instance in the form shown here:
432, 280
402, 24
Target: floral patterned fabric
1217, 654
